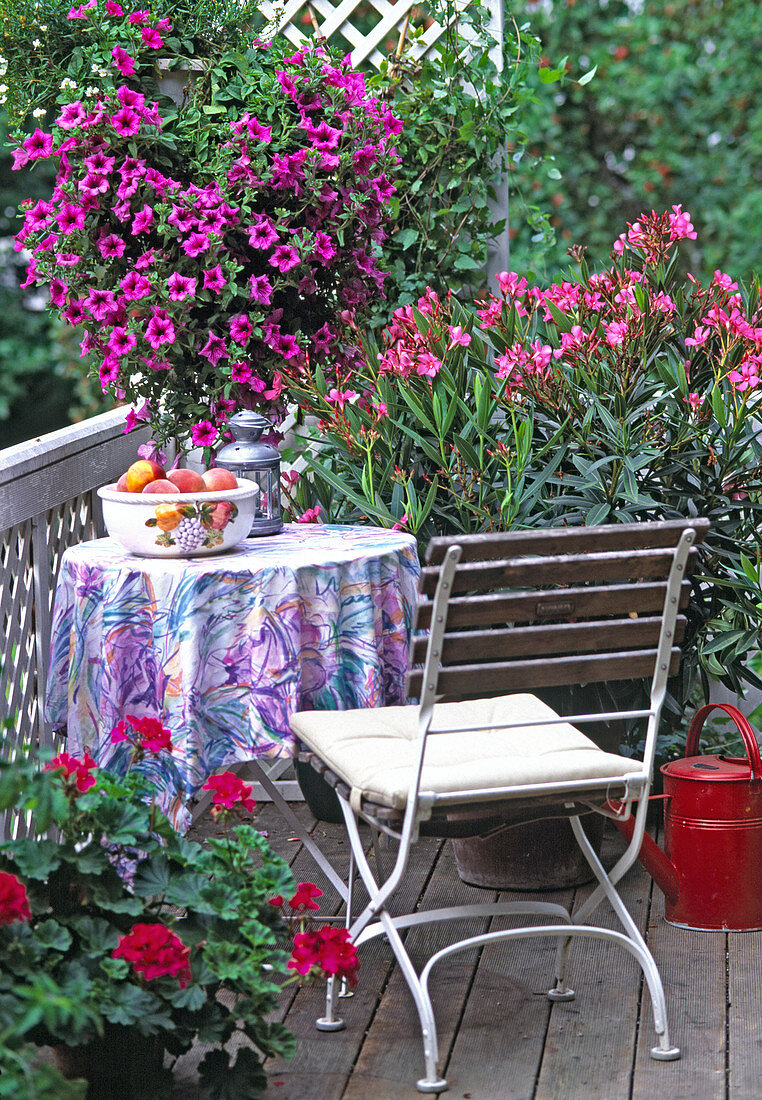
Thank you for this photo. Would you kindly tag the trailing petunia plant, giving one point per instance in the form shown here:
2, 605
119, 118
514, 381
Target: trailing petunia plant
203, 248
623, 394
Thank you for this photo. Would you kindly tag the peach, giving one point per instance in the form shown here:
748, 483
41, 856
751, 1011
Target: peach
121, 485
218, 478
187, 481
140, 473
168, 516
160, 485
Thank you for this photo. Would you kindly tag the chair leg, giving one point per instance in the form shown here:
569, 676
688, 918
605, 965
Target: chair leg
330, 1022
664, 1052
345, 991
432, 1082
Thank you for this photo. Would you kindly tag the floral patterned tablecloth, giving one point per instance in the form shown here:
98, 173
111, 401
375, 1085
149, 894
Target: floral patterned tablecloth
224, 649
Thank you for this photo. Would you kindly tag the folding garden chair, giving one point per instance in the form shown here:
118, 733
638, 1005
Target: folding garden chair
497, 615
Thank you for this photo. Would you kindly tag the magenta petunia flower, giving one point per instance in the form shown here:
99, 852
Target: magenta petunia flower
214, 349
180, 286
262, 232
123, 62
203, 434
196, 244
142, 221
111, 246
134, 286
121, 342
70, 217
151, 38
240, 329
72, 114
128, 97
214, 279
160, 330
39, 145
108, 371
240, 372
126, 122
140, 17
284, 257
75, 311
114, 9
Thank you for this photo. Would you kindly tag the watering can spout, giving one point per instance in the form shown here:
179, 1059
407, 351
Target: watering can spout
661, 869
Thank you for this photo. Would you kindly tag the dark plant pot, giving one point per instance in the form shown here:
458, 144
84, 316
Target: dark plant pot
121, 1064
541, 855
319, 795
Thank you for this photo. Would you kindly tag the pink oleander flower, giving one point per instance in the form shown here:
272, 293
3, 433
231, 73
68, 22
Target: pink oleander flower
311, 515
458, 338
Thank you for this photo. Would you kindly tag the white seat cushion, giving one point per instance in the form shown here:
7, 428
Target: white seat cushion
373, 751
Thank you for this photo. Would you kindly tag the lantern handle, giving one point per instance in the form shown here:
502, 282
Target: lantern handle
742, 725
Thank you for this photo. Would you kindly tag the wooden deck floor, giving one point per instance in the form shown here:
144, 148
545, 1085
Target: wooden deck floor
500, 1037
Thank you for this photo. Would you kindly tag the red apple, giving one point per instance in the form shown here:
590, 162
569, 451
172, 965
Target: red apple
161, 485
187, 481
218, 478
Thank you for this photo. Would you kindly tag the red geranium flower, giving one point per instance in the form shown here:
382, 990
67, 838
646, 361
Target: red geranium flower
229, 791
155, 951
80, 770
14, 904
326, 950
305, 892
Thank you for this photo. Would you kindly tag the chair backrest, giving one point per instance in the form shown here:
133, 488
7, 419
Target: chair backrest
556, 606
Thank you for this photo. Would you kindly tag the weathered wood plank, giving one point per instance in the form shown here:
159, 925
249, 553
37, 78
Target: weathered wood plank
744, 1000
692, 967
521, 607
499, 544
564, 569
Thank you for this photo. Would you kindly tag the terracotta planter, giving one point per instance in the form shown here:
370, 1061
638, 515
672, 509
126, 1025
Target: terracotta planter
541, 855
118, 1065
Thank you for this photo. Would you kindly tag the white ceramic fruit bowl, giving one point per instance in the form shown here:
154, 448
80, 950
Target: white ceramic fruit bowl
179, 525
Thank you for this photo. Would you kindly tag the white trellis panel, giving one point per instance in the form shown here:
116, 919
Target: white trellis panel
337, 19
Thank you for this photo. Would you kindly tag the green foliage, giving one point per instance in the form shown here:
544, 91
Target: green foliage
672, 116
118, 862
460, 119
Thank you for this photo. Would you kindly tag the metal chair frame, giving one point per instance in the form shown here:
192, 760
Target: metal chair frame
613, 796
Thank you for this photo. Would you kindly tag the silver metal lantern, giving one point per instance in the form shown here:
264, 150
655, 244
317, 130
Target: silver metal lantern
250, 457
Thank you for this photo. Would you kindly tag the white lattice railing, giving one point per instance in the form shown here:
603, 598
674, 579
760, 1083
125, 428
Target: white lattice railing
47, 502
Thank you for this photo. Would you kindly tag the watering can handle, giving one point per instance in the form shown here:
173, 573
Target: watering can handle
743, 726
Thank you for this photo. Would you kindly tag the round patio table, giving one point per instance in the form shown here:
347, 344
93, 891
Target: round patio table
224, 649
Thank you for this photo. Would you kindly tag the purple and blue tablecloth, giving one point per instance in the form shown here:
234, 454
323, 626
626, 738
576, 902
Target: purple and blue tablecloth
224, 649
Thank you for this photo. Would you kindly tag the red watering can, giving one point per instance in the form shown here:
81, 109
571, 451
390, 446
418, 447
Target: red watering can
711, 869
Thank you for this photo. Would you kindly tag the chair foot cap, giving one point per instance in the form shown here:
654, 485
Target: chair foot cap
561, 994
324, 1024
439, 1084
665, 1054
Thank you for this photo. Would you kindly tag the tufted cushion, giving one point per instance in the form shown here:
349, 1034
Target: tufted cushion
373, 751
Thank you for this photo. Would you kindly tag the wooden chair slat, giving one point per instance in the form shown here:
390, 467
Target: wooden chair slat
526, 607
564, 569
519, 676
589, 637
552, 540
